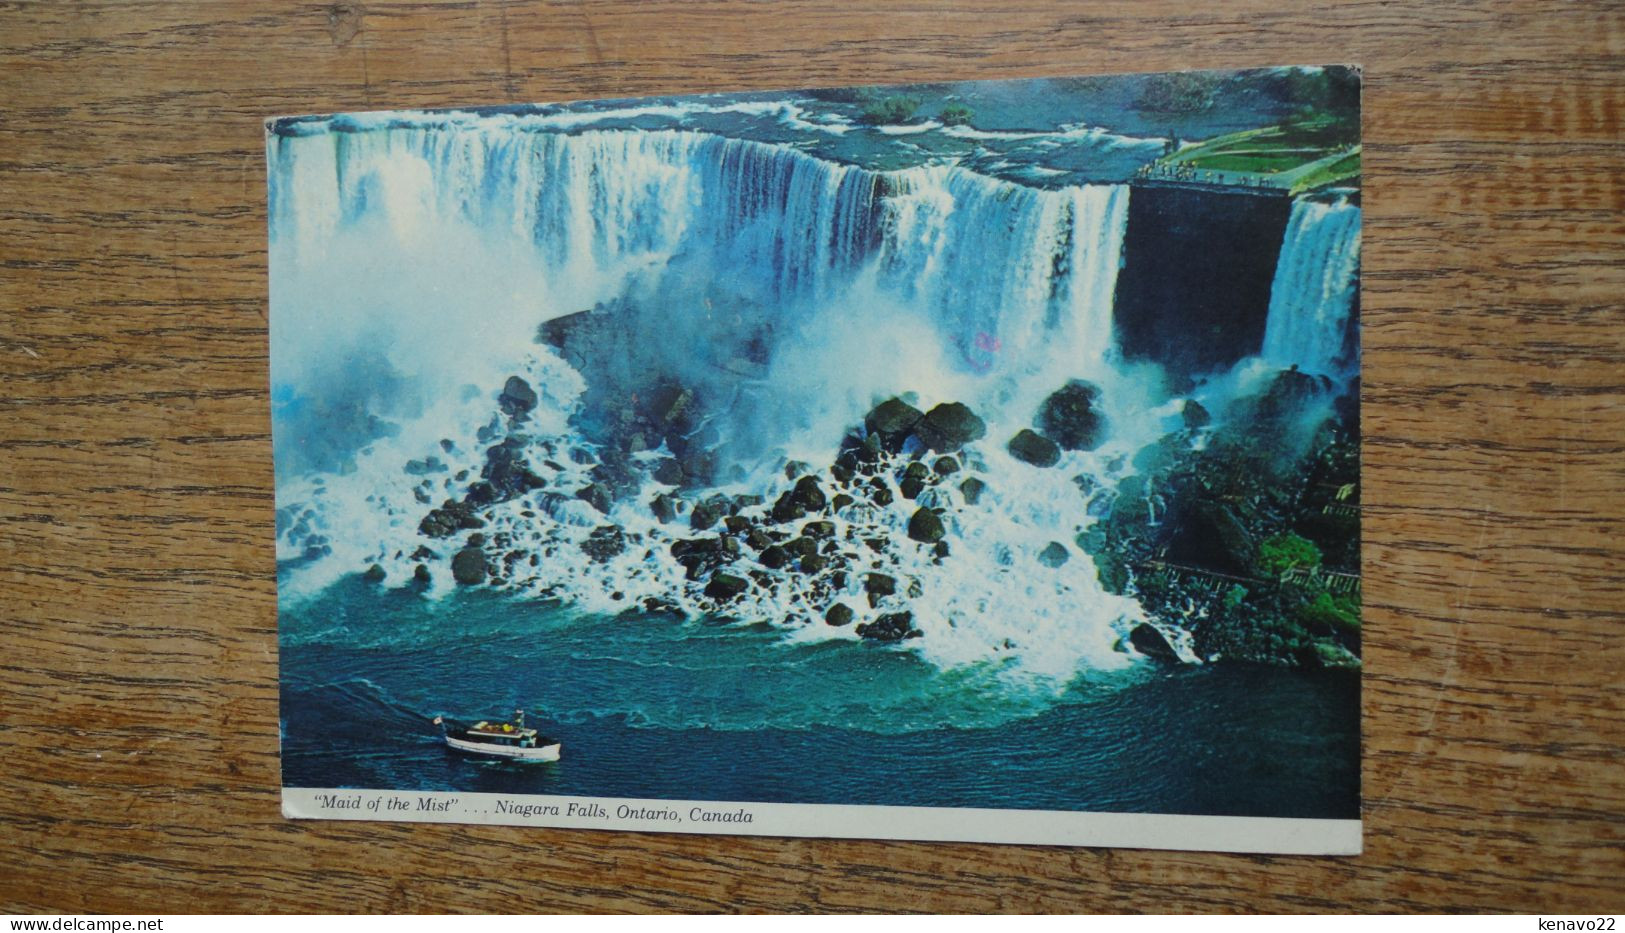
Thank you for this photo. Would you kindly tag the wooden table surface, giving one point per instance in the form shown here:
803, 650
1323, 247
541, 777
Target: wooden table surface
138, 712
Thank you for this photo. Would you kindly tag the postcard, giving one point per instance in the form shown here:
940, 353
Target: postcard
971, 461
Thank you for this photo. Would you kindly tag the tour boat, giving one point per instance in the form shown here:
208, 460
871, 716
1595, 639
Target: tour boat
511, 740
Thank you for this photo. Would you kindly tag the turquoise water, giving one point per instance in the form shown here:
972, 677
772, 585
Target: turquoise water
650, 706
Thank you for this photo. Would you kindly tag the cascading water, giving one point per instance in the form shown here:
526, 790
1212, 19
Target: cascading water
973, 289
1316, 279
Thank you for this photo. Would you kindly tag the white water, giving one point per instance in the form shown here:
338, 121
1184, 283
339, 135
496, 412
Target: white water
1316, 279
411, 265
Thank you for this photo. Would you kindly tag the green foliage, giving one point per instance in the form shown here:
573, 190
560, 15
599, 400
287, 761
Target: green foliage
897, 108
1183, 92
1326, 611
1285, 551
1235, 596
956, 115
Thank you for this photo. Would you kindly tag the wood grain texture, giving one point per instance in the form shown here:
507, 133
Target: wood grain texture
138, 717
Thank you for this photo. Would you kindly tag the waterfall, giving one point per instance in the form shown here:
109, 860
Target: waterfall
1316, 278
412, 261
999, 263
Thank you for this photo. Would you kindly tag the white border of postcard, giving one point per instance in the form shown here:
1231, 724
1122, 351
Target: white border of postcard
1270, 835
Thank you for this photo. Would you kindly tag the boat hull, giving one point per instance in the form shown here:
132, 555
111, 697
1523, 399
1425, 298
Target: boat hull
508, 752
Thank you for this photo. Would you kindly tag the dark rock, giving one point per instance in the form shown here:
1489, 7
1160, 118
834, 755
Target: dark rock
945, 466
517, 398
940, 549
1148, 641
420, 575
794, 468
880, 493
804, 498
597, 495
910, 486
840, 474
662, 508
1209, 535
702, 555
726, 586
604, 542
1195, 415
891, 627
374, 574
758, 539
818, 529
773, 557
1068, 417
802, 547
423, 553
973, 489
925, 527
736, 524
476, 539
667, 472
840, 501
1036, 449
1054, 554
809, 495
468, 566
838, 614
449, 519
948, 427
879, 586
813, 563
425, 466
706, 514
891, 421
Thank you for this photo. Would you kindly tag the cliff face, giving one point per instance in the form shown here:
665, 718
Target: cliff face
1194, 292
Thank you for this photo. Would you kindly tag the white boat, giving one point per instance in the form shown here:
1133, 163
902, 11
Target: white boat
510, 740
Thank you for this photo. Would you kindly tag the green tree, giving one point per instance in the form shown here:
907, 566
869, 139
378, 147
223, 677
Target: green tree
1179, 92
1286, 551
956, 115
894, 109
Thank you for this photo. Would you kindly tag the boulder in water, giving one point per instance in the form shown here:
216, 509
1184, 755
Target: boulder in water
450, 518
662, 508
604, 542
468, 566
891, 627
1150, 642
374, 574
596, 495
667, 472
948, 427
973, 489
838, 614
925, 527
1069, 418
891, 421
706, 514
1194, 415
1054, 554
1031, 447
517, 398
726, 586
420, 575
